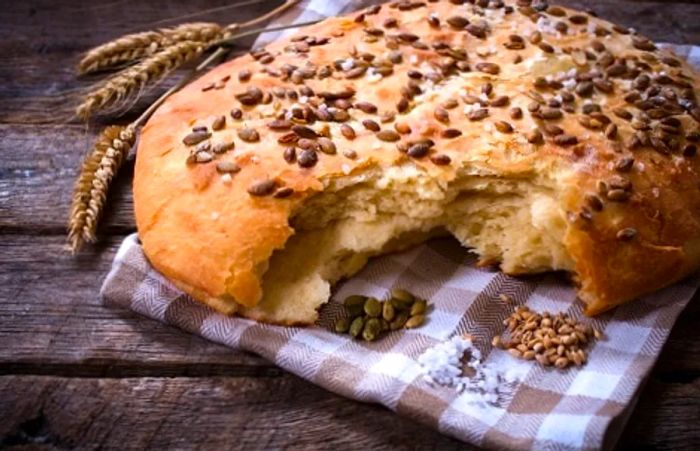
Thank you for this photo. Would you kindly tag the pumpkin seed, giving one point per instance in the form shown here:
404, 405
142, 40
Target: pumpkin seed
388, 136
342, 325
218, 123
262, 188
441, 159
304, 132
419, 307
355, 304
385, 324
248, 134
373, 307
399, 321
223, 147
371, 330
196, 138
450, 133
227, 167
307, 158
356, 326
327, 146
403, 297
388, 311
347, 131
415, 321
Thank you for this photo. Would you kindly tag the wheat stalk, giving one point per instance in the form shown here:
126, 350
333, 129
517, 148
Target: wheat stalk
117, 89
102, 164
96, 174
125, 49
136, 46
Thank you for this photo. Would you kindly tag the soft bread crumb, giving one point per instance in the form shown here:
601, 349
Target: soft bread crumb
515, 222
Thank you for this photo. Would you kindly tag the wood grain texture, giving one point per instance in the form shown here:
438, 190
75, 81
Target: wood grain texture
274, 412
281, 412
75, 374
38, 167
51, 317
43, 90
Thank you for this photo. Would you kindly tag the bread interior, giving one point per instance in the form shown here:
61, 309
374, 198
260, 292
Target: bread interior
513, 221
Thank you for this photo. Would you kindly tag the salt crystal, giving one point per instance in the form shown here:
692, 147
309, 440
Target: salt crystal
347, 64
444, 364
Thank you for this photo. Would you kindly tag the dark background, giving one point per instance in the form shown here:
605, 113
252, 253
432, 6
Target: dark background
76, 374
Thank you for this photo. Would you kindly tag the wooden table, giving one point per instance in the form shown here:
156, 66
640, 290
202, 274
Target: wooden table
74, 373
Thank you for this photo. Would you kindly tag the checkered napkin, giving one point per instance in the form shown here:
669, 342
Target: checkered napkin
578, 408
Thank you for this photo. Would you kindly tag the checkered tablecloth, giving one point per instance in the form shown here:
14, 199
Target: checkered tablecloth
579, 408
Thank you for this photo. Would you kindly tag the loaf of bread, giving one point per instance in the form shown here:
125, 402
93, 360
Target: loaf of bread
544, 139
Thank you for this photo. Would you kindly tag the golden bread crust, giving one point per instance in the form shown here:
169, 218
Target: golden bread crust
632, 227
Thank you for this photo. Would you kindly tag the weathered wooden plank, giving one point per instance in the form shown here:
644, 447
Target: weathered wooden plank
271, 413
41, 42
53, 324
51, 316
666, 417
280, 412
38, 167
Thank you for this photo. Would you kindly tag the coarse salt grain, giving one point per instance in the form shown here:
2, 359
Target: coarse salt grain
444, 364
347, 64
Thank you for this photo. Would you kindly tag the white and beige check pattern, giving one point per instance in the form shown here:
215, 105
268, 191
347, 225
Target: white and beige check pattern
578, 408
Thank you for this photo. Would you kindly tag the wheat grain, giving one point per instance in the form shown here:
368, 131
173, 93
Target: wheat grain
131, 81
96, 174
198, 31
136, 46
127, 48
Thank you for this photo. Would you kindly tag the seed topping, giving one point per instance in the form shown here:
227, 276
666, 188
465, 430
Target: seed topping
262, 188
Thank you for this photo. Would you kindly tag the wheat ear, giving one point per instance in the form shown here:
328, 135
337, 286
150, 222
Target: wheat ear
136, 46
125, 49
95, 177
115, 90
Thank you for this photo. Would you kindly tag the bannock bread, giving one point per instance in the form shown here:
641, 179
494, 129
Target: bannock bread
540, 137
